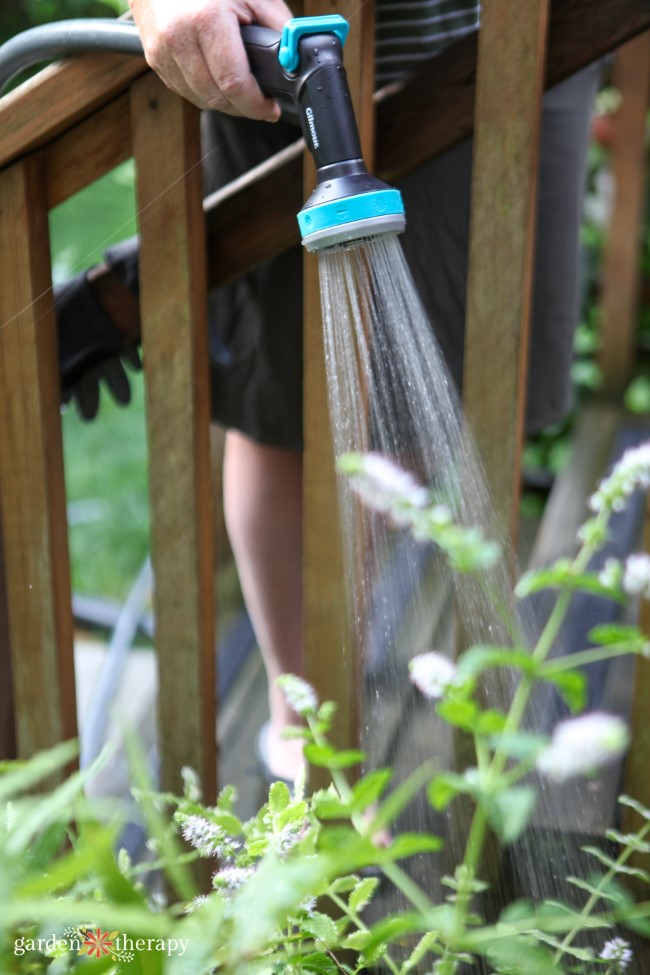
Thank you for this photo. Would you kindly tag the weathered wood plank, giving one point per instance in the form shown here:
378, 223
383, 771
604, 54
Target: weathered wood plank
621, 265
32, 489
511, 60
330, 657
60, 96
90, 150
7, 717
173, 306
434, 109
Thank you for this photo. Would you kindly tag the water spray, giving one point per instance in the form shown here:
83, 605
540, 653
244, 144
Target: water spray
302, 66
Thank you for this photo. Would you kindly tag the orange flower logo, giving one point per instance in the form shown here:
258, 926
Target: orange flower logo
98, 943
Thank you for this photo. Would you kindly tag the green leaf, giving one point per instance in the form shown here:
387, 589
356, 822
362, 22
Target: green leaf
370, 788
562, 576
343, 884
476, 659
591, 889
25, 775
322, 928
427, 943
519, 744
638, 807
324, 756
400, 797
547, 578
572, 685
607, 633
410, 844
509, 812
637, 395
58, 806
631, 840
446, 786
388, 930
227, 821
279, 797
319, 963
327, 804
294, 814
491, 722
516, 956
461, 714
582, 954
362, 894
619, 868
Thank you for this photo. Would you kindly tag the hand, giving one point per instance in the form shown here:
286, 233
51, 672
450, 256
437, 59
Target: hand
195, 46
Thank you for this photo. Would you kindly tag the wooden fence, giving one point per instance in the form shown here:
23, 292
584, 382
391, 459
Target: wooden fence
76, 121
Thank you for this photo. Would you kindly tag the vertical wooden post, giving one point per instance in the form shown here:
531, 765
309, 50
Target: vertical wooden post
175, 343
330, 663
621, 267
7, 716
32, 489
510, 73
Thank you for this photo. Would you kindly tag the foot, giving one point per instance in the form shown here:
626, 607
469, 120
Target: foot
282, 758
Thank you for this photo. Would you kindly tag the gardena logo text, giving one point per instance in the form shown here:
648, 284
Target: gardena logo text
99, 944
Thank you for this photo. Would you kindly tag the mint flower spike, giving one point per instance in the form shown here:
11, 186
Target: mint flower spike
631, 473
381, 484
611, 574
432, 673
581, 745
636, 575
206, 837
618, 952
300, 695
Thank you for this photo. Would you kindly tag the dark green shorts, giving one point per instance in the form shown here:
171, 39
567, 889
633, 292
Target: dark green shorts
256, 322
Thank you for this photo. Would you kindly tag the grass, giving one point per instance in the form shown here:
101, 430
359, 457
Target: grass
105, 460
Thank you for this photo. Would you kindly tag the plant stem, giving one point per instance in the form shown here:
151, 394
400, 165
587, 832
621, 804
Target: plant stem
356, 920
412, 891
514, 718
596, 896
585, 657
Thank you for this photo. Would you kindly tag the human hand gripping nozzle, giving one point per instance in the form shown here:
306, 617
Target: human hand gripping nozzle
303, 65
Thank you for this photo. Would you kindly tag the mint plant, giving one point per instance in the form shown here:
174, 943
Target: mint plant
289, 889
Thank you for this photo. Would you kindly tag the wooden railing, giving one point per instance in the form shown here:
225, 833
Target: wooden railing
73, 123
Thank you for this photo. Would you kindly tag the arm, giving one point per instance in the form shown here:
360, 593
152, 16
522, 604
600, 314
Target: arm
196, 48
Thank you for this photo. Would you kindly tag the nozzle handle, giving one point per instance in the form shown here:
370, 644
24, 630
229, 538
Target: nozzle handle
318, 88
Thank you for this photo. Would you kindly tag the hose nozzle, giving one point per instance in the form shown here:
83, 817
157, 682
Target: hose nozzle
306, 64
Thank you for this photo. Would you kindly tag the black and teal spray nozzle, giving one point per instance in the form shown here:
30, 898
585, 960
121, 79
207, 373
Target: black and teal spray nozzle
303, 64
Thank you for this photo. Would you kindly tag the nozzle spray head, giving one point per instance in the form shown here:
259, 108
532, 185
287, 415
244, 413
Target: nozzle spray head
349, 208
348, 204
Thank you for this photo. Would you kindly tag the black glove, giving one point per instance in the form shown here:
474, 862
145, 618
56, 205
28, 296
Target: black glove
91, 349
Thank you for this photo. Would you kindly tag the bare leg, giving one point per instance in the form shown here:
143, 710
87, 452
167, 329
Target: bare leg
263, 509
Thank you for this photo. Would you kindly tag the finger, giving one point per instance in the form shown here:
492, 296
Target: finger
131, 356
274, 14
179, 63
225, 55
113, 374
86, 394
